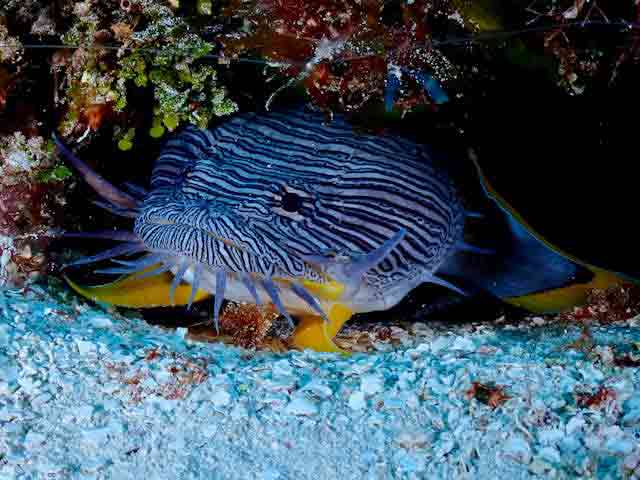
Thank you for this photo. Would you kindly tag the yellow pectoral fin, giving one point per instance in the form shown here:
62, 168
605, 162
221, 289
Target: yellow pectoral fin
565, 298
134, 292
316, 334
331, 290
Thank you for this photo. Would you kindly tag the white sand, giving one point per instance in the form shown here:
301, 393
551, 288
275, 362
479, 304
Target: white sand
80, 397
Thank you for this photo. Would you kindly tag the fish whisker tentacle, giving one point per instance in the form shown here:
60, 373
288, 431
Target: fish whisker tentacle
123, 249
464, 246
164, 267
177, 278
303, 293
143, 262
355, 267
373, 258
272, 289
221, 285
195, 284
121, 212
117, 235
138, 266
251, 287
137, 190
101, 186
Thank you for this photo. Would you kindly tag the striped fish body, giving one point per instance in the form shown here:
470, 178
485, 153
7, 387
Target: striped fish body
286, 198
321, 222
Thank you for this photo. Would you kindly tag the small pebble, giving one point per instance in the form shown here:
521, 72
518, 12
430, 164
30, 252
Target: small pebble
357, 401
220, 398
412, 440
34, 440
85, 348
101, 322
518, 449
371, 384
301, 406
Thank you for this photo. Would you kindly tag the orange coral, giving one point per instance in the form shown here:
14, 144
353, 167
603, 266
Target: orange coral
244, 325
122, 32
248, 324
611, 305
596, 400
96, 114
344, 46
492, 395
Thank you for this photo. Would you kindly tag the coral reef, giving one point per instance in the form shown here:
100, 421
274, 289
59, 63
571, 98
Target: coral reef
29, 197
157, 50
247, 326
579, 61
348, 54
83, 87
10, 47
605, 306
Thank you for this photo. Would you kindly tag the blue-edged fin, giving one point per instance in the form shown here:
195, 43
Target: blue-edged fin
537, 275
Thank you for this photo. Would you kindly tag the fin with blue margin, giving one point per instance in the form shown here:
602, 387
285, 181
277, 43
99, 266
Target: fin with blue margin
527, 270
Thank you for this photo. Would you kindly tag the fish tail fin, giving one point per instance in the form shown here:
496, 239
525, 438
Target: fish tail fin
524, 269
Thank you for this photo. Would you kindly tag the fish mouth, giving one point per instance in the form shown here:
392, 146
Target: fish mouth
158, 260
228, 242
327, 278
341, 277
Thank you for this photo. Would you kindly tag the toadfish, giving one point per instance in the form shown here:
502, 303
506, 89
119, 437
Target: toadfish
321, 222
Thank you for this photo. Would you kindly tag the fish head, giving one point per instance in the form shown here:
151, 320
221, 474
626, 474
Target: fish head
282, 208
349, 219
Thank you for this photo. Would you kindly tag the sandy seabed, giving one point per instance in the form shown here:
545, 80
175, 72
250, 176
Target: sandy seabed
87, 393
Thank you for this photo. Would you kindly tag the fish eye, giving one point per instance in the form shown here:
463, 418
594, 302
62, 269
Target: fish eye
291, 202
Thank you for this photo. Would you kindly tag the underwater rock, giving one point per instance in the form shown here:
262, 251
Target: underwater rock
301, 405
343, 55
30, 199
518, 449
357, 401
10, 47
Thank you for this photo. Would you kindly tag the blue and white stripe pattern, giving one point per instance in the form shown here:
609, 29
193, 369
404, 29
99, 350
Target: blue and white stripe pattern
355, 192
266, 200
